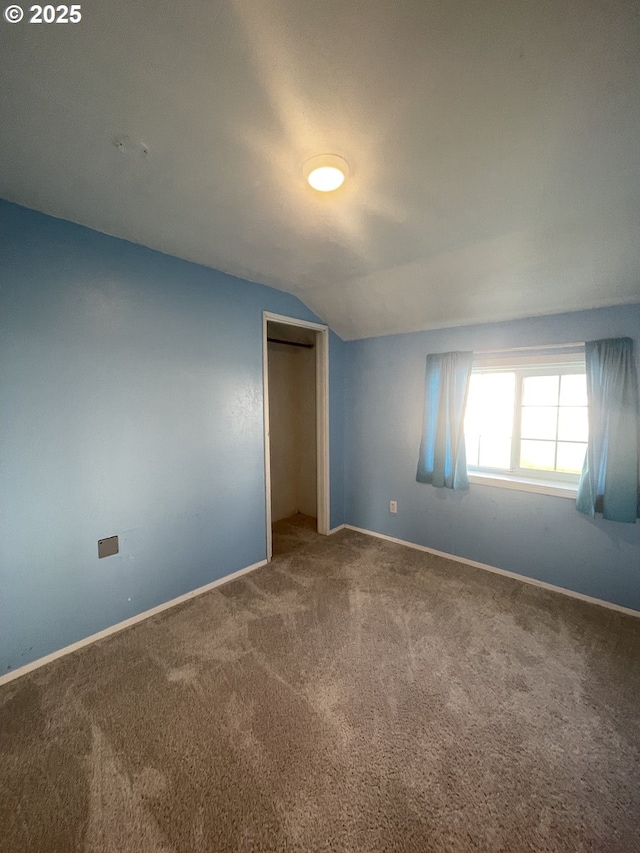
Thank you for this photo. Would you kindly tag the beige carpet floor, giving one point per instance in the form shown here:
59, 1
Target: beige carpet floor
353, 695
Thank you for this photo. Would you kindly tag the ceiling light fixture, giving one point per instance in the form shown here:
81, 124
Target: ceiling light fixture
326, 172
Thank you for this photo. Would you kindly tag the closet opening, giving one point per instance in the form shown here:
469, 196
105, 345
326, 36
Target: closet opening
295, 371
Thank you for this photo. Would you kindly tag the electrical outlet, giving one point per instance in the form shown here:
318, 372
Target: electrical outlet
393, 506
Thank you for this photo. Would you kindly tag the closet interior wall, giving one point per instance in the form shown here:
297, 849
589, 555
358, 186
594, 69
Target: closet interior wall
292, 426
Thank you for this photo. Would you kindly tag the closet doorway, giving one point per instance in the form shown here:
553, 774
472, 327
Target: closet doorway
296, 421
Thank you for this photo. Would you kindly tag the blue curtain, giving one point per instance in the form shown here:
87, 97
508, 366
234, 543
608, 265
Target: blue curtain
443, 460
609, 481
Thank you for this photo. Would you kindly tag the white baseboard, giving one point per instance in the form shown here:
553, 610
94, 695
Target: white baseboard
36, 664
496, 571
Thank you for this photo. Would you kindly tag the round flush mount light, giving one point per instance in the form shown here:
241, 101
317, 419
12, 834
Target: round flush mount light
326, 172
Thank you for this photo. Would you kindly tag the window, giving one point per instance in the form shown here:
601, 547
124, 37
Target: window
526, 420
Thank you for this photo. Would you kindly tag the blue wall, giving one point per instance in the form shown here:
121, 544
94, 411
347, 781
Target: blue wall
539, 536
131, 392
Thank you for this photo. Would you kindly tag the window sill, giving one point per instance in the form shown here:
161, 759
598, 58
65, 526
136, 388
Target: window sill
541, 487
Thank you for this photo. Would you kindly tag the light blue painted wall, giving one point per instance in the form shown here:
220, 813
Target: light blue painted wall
538, 536
131, 390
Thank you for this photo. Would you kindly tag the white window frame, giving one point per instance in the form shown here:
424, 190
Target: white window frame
555, 483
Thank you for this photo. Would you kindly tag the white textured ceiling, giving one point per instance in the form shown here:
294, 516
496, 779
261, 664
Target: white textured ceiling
494, 147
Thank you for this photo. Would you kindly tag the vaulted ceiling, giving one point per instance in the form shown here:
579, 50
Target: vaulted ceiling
493, 147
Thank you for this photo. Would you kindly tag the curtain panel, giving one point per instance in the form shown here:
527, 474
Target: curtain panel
609, 483
443, 461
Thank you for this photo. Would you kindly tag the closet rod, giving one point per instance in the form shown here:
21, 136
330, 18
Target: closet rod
289, 343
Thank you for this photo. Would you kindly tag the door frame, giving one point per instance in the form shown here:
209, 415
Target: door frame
322, 420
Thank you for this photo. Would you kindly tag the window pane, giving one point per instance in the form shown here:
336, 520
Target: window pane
473, 412
540, 390
539, 422
570, 456
490, 404
573, 424
496, 403
495, 451
472, 446
537, 455
573, 389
